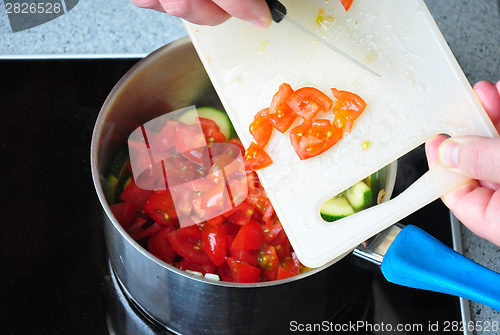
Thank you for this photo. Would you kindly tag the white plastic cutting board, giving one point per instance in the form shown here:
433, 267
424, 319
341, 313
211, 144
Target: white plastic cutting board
421, 92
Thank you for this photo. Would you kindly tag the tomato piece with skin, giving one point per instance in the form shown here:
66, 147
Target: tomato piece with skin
161, 208
268, 259
134, 194
163, 218
188, 247
230, 149
250, 256
250, 236
125, 213
346, 3
137, 232
306, 102
192, 230
240, 218
164, 139
268, 212
190, 141
256, 194
283, 274
242, 272
214, 241
280, 115
256, 158
245, 207
291, 263
261, 129
348, 108
312, 138
211, 131
159, 246
225, 273
272, 230
201, 268
214, 198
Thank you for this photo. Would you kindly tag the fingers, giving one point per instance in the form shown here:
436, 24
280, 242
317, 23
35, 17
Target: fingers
254, 11
212, 12
472, 156
478, 208
489, 95
203, 12
431, 149
149, 4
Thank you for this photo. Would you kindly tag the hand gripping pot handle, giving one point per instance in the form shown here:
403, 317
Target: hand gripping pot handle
418, 260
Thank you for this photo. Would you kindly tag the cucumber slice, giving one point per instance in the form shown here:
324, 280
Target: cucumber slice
359, 196
117, 169
118, 165
336, 208
374, 181
219, 117
120, 186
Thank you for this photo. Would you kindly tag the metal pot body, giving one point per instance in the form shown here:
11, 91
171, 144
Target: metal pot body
169, 79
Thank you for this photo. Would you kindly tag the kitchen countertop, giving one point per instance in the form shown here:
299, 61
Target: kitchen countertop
119, 29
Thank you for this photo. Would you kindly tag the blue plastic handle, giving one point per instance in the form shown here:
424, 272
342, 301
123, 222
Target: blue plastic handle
418, 260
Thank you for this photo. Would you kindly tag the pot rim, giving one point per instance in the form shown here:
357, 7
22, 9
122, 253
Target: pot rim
96, 136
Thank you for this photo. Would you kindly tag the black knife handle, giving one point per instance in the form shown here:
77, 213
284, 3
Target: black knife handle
277, 10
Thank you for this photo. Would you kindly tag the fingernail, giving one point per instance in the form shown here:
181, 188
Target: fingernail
448, 153
260, 23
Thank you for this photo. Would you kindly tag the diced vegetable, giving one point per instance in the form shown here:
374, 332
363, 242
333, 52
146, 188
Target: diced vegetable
117, 170
336, 208
219, 117
359, 196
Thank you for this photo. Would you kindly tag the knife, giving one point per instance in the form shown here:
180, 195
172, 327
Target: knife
278, 12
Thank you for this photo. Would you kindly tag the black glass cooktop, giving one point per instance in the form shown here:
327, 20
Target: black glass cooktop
55, 277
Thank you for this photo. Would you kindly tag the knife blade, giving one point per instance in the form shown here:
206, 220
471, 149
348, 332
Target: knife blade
278, 12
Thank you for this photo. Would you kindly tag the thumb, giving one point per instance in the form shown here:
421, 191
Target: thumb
473, 156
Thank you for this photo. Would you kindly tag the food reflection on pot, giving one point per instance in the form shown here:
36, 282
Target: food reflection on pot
171, 79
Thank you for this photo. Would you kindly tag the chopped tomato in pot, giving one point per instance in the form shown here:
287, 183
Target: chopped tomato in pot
250, 256
192, 231
250, 236
283, 274
125, 213
161, 207
190, 142
140, 229
243, 272
165, 137
211, 131
261, 129
214, 241
306, 102
159, 246
138, 196
234, 149
188, 247
201, 268
312, 138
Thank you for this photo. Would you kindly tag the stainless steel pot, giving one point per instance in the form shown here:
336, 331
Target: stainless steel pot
169, 79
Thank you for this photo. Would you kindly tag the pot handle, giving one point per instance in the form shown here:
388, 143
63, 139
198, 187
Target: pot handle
418, 260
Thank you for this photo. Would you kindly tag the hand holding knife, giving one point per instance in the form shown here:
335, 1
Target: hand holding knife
278, 12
